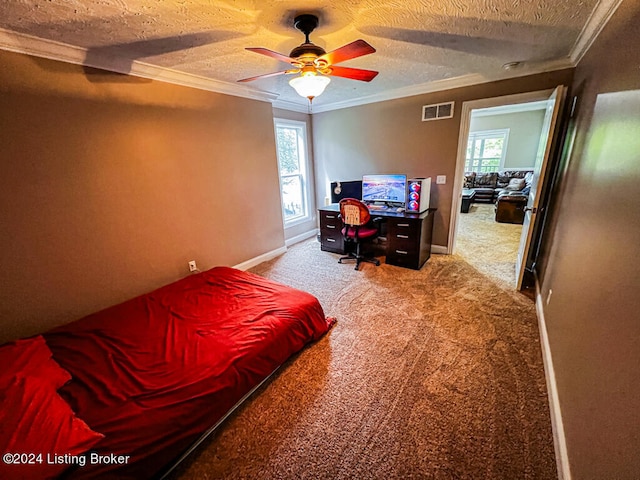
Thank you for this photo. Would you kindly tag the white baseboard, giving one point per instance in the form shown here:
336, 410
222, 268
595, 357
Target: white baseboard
301, 237
559, 441
435, 249
439, 249
261, 258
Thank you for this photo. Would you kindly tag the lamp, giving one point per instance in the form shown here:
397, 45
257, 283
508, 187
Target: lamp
309, 84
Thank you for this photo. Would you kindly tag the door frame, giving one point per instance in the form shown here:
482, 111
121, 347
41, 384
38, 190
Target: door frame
548, 141
463, 138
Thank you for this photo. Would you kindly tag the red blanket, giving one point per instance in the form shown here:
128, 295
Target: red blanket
152, 374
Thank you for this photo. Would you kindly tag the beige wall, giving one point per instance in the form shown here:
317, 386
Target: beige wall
593, 269
389, 137
524, 135
110, 184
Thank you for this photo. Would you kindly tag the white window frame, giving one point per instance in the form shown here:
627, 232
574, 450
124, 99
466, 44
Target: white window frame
303, 149
486, 134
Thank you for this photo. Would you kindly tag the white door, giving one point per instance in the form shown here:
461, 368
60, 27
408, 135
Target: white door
549, 132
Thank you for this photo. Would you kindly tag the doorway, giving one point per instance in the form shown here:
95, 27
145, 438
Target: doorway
498, 135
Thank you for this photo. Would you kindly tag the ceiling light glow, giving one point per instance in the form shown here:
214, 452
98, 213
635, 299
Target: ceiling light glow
310, 84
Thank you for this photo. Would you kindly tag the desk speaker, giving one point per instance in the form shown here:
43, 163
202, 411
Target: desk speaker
418, 194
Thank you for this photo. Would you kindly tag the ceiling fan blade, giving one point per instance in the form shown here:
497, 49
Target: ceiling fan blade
270, 53
347, 52
267, 75
353, 73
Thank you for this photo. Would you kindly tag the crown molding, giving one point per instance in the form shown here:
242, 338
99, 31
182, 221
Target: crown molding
30, 45
448, 84
596, 22
52, 50
292, 106
409, 91
599, 17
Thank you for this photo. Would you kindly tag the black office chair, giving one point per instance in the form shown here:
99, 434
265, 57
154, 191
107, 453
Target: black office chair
355, 218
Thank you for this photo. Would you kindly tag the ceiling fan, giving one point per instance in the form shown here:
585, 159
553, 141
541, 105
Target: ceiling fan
314, 64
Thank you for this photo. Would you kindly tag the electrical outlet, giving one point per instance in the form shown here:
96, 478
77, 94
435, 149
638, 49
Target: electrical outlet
441, 179
192, 266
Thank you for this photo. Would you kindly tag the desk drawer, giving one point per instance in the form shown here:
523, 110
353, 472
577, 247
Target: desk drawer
331, 242
403, 235
330, 223
329, 217
403, 243
402, 258
405, 227
331, 228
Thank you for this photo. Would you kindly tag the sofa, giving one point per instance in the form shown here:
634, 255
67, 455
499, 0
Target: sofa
488, 186
510, 207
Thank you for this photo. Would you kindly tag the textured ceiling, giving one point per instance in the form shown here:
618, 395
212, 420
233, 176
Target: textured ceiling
417, 42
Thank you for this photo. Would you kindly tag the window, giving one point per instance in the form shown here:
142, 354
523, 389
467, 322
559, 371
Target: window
291, 144
486, 151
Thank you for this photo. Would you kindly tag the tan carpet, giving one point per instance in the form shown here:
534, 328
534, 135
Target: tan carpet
430, 374
489, 246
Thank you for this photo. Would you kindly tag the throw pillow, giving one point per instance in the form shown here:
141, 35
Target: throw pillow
469, 179
34, 419
503, 179
30, 357
515, 184
486, 180
40, 425
528, 178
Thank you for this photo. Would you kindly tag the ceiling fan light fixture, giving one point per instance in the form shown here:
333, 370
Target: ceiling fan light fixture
314, 64
309, 84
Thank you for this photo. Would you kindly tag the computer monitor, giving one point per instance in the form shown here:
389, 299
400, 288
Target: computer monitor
384, 189
349, 189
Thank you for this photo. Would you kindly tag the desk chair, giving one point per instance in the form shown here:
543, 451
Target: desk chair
355, 217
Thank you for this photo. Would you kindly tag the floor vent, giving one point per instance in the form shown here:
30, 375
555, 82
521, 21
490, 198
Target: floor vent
437, 111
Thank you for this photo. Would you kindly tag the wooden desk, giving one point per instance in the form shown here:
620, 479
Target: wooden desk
408, 235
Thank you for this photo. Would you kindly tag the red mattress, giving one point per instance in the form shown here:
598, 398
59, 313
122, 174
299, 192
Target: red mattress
152, 374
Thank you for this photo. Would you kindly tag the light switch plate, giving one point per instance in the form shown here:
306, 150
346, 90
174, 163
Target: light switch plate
441, 179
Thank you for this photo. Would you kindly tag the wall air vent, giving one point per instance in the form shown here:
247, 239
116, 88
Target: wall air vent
437, 111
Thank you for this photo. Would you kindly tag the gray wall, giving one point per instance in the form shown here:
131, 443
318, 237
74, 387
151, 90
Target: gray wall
389, 137
524, 135
593, 261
